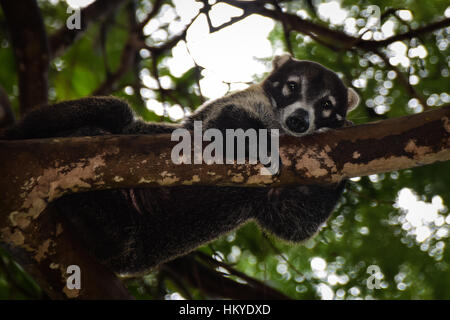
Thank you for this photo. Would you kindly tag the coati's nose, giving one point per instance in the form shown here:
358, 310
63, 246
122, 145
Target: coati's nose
298, 121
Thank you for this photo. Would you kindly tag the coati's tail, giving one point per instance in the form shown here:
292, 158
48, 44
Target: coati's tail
61, 119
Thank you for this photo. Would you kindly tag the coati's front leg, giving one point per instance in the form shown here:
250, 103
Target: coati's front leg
236, 117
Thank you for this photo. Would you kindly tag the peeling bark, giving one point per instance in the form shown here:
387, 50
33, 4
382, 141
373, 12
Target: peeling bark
36, 172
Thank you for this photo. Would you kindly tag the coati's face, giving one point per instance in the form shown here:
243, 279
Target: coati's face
307, 96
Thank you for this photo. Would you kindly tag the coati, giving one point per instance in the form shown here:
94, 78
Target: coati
133, 230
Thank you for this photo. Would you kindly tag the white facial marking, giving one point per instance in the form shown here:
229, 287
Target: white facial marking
304, 85
286, 91
294, 79
333, 100
274, 103
339, 117
291, 108
276, 84
326, 113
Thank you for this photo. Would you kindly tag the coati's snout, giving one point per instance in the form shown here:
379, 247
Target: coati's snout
298, 121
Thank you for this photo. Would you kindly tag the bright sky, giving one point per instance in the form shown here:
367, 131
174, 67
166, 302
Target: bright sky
421, 219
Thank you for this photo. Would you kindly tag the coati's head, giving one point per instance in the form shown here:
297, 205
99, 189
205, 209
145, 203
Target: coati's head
307, 96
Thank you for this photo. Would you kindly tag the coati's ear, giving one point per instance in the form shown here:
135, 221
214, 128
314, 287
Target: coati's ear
353, 99
278, 61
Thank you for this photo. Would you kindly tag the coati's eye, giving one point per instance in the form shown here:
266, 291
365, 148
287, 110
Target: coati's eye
326, 104
293, 86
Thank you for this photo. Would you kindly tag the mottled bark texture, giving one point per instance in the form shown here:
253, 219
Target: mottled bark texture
35, 172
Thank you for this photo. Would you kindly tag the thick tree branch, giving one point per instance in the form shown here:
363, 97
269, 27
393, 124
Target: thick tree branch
43, 170
57, 166
29, 41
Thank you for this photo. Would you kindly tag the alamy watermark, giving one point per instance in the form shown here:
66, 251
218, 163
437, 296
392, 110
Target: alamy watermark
258, 145
74, 20
374, 281
74, 280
